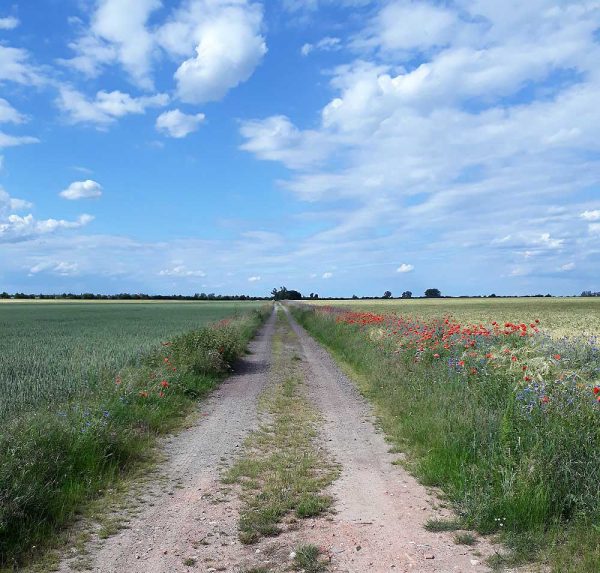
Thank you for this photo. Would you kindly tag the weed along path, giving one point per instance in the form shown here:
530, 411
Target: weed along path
284, 471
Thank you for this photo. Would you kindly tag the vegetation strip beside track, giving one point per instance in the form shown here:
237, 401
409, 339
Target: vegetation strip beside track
532, 477
54, 459
282, 472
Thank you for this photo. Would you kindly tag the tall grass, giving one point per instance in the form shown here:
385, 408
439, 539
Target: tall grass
53, 458
509, 460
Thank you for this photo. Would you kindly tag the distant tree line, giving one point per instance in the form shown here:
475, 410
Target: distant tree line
129, 296
282, 293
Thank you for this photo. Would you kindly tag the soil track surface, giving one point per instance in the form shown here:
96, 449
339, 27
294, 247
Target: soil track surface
189, 520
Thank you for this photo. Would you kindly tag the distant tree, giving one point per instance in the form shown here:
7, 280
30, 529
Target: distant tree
354, 297
590, 293
493, 295
387, 294
407, 294
4, 295
285, 294
433, 293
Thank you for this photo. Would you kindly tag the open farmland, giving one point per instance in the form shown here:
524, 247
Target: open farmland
497, 402
54, 351
558, 317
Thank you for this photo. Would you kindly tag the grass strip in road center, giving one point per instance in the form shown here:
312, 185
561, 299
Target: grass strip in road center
282, 471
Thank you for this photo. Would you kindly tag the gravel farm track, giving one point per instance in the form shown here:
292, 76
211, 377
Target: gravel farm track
188, 519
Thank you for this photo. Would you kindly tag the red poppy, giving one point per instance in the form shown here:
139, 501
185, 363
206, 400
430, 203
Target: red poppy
596, 390
556, 357
144, 394
164, 384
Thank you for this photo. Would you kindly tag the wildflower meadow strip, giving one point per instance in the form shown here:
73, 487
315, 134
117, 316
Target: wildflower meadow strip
503, 417
54, 458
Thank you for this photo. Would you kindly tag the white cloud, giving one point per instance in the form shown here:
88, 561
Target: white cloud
106, 108
277, 139
326, 44
409, 25
591, 215
545, 240
327, 275
594, 228
228, 47
178, 124
87, 189
61, 268
16, 67
9, 23
15, 228
7, 140
254, 279
181, 271
405, 268
567, 267
8, 114
9, 204
118, 33
215, 44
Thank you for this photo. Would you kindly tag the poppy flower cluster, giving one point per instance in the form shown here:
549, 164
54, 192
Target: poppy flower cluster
516, 350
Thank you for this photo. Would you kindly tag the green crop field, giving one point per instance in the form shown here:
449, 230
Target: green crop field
558, 316
54, 351
85, 389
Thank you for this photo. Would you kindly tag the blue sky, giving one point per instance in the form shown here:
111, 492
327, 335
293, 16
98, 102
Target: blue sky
337, 147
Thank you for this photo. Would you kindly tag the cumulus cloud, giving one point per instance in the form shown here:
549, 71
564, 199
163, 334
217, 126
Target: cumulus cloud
106, 107
326, 44
175, 123
8, 114
481, 126
181, 271
9, 23
591, 215
118, 33
216, 45
327, 275
228, 47
7, 140
15, 66
16, 228
408, 25
278, 139
61, 268
567, 267
87, 189
9, 204
405, 268
254, 279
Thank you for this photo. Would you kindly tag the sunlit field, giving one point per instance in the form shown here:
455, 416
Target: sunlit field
54, 351
86, 388
557, 316
495, 401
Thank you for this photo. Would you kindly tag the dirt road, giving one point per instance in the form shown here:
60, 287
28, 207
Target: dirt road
189, 519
